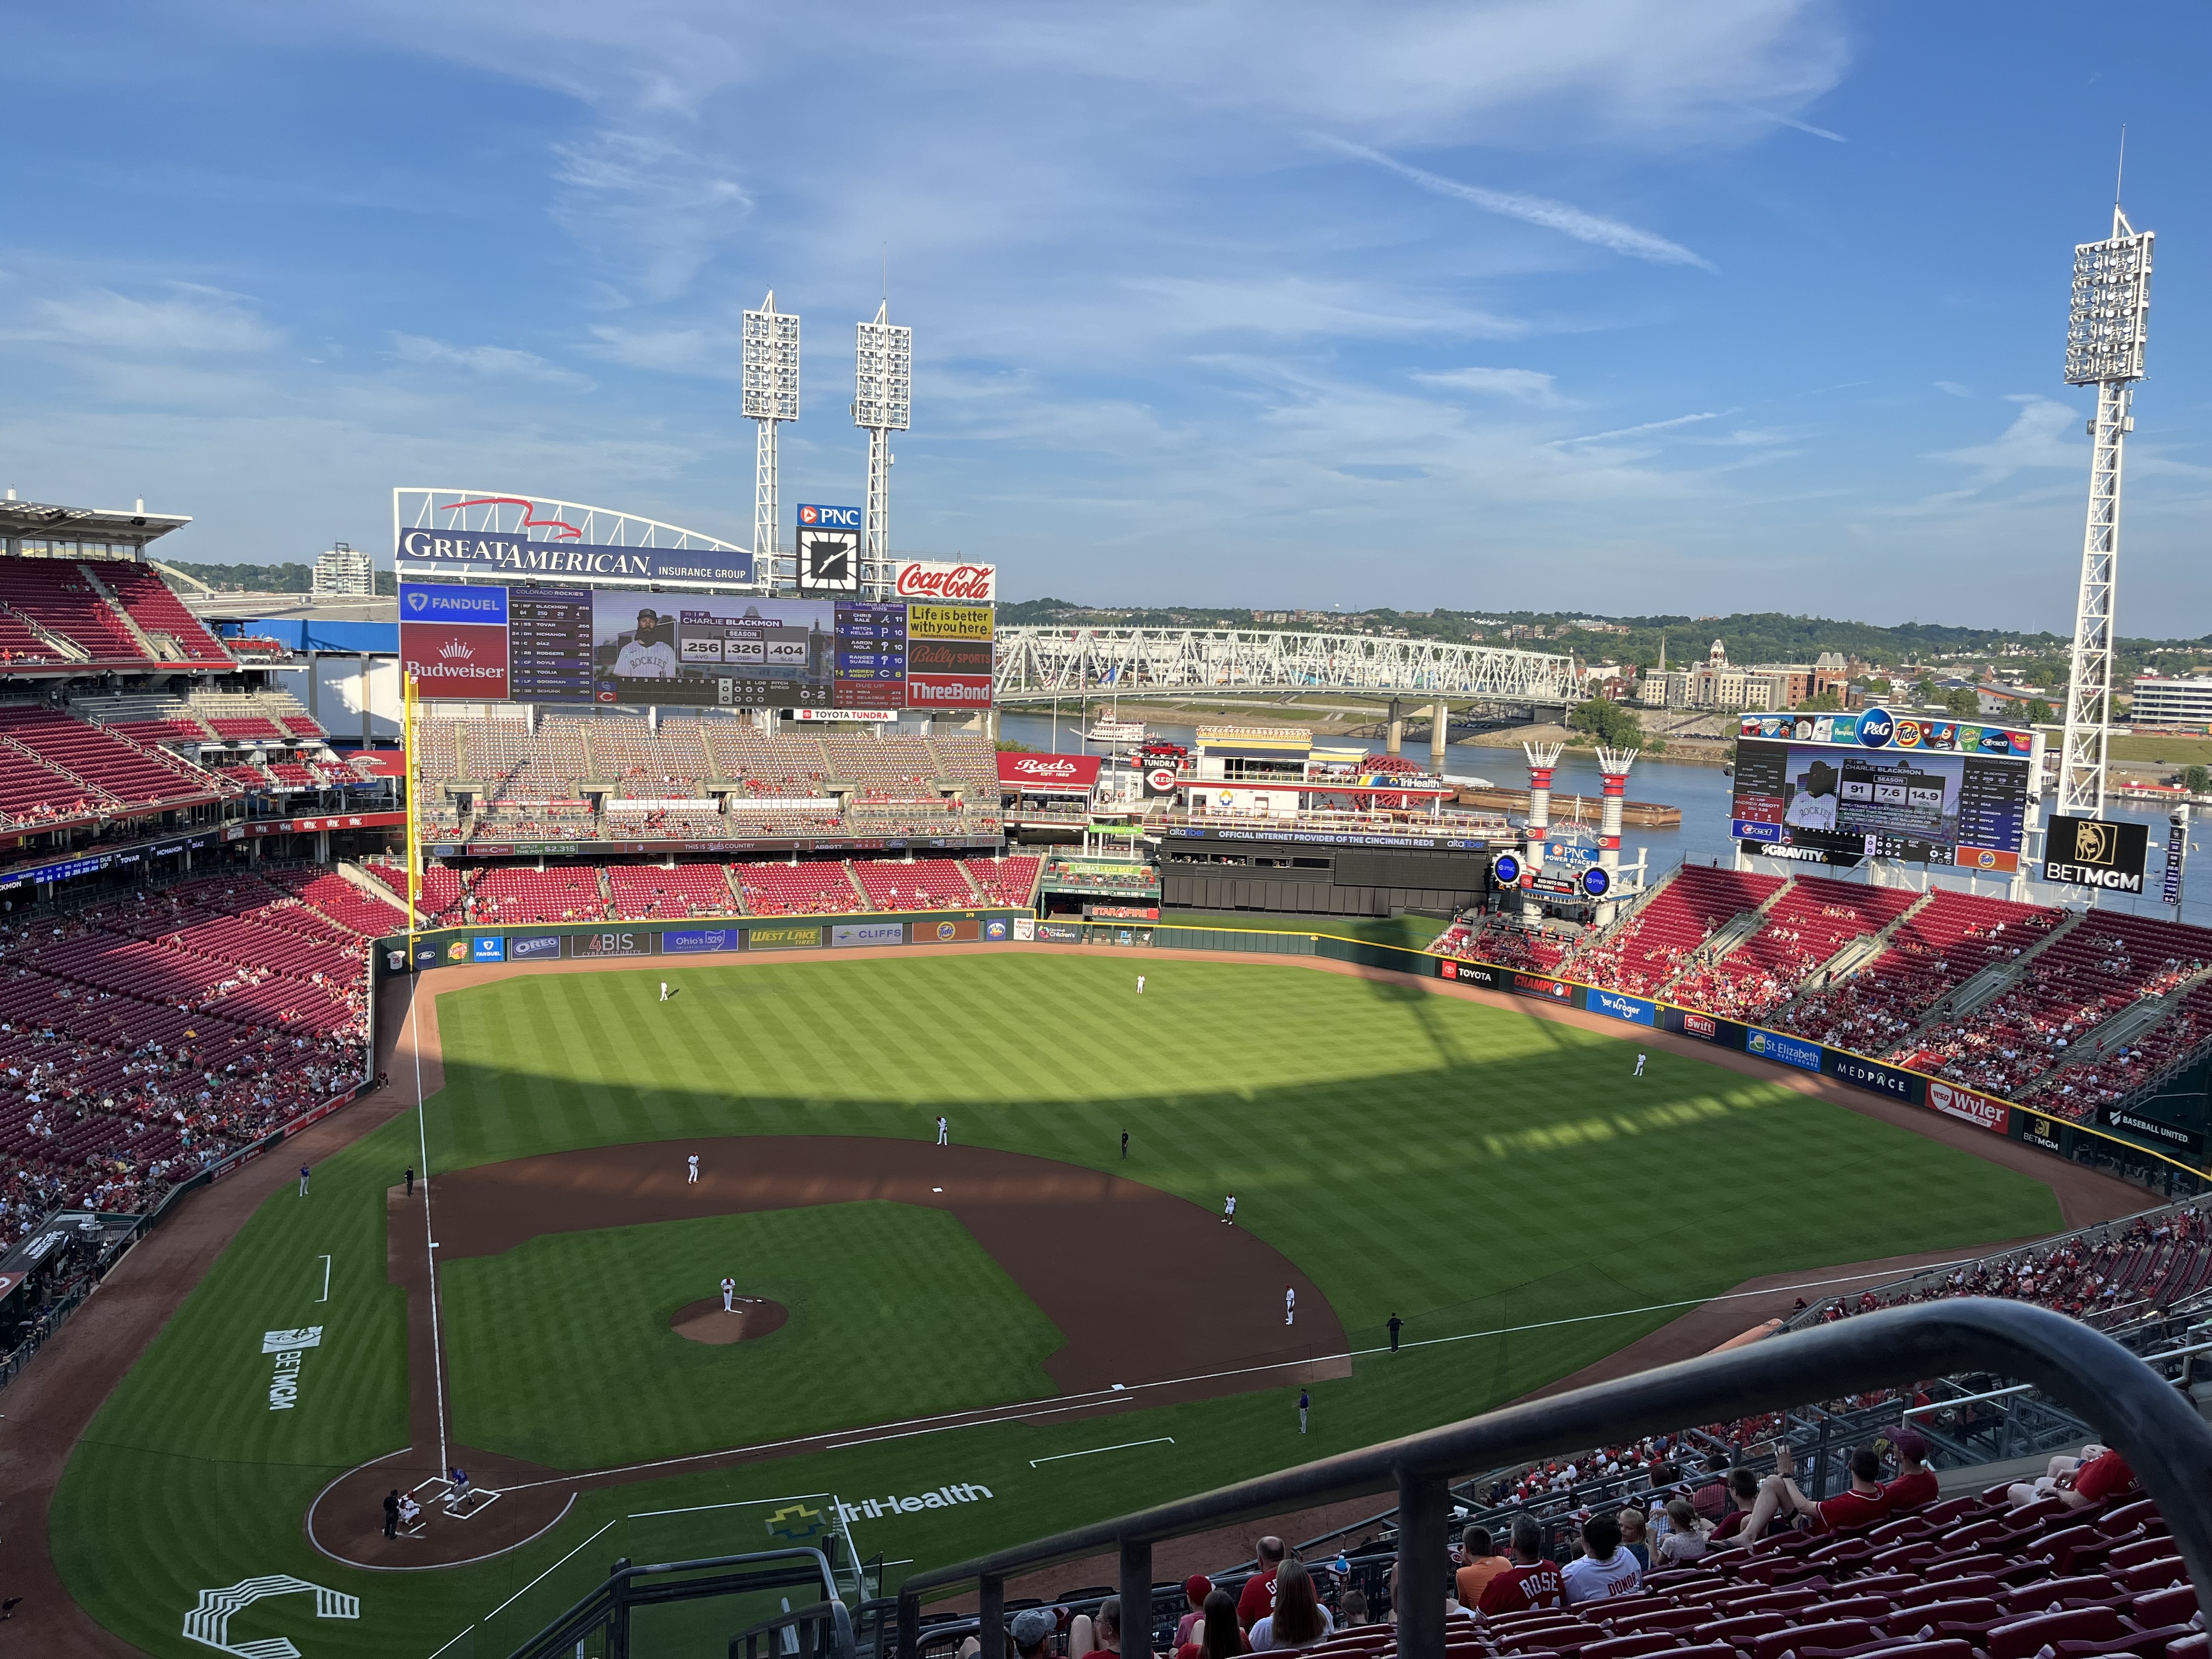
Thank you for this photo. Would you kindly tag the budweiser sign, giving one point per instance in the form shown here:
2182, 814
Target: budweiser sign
1048, 774
930, 579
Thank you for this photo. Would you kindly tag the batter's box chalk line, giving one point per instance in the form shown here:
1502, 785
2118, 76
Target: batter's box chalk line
208, 1623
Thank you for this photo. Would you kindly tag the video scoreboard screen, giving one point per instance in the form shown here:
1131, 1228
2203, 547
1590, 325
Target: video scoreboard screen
1869, 785
564, 644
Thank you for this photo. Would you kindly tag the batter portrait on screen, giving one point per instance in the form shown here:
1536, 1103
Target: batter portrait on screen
647, 651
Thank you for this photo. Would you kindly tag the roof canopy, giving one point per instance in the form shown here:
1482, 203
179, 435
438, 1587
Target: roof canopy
37, 521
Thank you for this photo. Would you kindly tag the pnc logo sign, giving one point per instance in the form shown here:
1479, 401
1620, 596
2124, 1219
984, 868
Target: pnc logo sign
831, 518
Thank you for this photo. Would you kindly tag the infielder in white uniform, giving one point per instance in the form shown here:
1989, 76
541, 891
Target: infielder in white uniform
1290, 1303
944, 1133
691, 1168
729, 1295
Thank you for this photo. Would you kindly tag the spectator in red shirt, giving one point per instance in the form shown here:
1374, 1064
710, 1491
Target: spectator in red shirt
1743, 1492
1195, 1590
1531, 1582
2077, 1482
1862, 1507
1258, 1600
1915, 1485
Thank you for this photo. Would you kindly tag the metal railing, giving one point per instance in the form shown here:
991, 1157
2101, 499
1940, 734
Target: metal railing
2161, 1434
821, 1630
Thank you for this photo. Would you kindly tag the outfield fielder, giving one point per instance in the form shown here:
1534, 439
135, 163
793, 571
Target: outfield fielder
1640, 1066
1290, 1303
1229, 1209
944, 1133
1140, 985
663, 990
729, 1295
691, 1168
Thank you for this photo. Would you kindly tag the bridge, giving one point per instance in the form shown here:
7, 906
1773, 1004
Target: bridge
1039, 664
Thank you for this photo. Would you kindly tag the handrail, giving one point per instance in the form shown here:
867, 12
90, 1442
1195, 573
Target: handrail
2165, 1439
607, 1604
823, 1631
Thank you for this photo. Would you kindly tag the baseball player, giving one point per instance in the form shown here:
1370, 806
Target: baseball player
1640, 1066
1229, 1210
943, 1131
303, 1180
663, 990
691, 1168
729, 1295
1290, 1303
1305, 1406
1140, 985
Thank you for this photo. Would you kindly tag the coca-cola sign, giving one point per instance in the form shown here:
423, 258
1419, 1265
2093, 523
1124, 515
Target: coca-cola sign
932, 579
1048, 774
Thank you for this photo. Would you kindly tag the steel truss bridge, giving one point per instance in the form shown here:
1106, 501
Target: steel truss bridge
1038, 665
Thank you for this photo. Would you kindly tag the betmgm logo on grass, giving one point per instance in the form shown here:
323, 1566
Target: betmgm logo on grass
290, 1347
2096, 853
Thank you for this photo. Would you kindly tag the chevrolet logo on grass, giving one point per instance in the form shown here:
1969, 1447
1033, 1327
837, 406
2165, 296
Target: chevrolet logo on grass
794, 1522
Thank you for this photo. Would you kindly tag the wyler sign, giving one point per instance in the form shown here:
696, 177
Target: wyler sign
934, 578
2102, 852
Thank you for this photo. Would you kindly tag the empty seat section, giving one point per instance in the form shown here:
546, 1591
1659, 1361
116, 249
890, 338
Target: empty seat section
923, 884
780, 890
645, 892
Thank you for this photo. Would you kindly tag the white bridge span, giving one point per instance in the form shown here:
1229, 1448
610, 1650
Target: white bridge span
1037, 665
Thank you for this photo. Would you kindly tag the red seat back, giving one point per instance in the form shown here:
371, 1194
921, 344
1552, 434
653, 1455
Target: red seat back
1834, 1633
2023, 1636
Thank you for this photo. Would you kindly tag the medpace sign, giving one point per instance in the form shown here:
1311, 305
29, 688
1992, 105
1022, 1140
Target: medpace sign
494, 553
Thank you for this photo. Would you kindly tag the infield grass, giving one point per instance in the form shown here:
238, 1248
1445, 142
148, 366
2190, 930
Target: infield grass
1500, 1181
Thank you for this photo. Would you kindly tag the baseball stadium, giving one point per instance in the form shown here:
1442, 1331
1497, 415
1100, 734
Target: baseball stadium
703, 1145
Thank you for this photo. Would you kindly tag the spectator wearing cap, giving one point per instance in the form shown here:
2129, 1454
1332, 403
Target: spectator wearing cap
1915, 1487
1195, 1590
1031, 1629
1258, 1600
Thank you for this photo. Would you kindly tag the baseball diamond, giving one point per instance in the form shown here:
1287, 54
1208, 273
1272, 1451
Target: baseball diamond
560, 1109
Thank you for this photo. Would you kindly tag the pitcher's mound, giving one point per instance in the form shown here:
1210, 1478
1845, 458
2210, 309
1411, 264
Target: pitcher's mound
705, 1322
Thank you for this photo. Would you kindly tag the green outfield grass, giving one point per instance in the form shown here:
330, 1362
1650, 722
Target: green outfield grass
858, 1280
1492, 1177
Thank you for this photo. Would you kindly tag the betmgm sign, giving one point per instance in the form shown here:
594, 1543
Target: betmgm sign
2096, 853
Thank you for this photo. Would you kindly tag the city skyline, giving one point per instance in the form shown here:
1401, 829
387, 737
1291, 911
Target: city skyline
1591, 306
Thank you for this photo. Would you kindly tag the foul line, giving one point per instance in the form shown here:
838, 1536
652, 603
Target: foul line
429, 1245
1126, 1445
1021, 1411
529, 1587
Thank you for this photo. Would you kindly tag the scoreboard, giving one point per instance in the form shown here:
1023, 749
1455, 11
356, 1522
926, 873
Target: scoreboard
1869, 785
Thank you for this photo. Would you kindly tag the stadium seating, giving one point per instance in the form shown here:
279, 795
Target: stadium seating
563, 892
646, 892
1006, 881
788, 890
1661, 935
160, 613
146, 1037
1809, 921
57, 595
921, 884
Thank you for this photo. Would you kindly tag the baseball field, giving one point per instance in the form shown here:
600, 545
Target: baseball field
1012, 1333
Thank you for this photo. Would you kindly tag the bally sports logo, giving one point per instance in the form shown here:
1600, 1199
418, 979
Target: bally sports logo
931, 579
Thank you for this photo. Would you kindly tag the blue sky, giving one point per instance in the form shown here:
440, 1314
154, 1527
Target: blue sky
1584, 304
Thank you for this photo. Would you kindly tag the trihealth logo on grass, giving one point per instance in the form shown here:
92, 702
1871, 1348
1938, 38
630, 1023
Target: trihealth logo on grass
874, 1509
288, 1346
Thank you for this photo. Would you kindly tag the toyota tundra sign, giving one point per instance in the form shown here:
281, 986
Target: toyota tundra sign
933, 579
1048, 774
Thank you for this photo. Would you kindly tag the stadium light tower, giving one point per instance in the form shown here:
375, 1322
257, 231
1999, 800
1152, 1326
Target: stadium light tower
771, 387
883, 399
2104, 349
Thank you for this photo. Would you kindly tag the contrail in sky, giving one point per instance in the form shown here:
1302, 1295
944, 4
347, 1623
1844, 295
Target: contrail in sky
1562, 216
1792, 121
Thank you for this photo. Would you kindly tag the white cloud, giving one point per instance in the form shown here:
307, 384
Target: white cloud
1953, 389
1561, 216
501, 363
652, 210
191, 319
1634, 431
1524, 385
2044, 433
1295, 307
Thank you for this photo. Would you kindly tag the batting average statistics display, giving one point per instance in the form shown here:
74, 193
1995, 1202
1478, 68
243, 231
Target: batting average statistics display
633, 646
1871, 785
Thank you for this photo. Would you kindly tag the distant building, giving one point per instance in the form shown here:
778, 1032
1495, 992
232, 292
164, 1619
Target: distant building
343, 573
2173, 704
